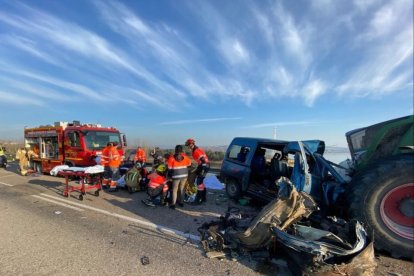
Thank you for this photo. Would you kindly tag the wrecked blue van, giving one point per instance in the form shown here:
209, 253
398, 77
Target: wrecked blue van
252, 166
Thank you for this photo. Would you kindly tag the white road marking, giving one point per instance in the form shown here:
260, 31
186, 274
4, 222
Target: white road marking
10, 185
157, 227
7, 175
58, 203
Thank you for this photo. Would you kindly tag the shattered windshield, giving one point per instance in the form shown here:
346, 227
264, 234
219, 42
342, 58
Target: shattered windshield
97, 140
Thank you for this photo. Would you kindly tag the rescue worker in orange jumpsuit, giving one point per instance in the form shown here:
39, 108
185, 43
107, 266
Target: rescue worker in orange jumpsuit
114, 162
157, 186
203, 166
140, 157
178, 170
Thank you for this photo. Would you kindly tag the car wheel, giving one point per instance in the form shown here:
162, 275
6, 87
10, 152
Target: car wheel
233, 189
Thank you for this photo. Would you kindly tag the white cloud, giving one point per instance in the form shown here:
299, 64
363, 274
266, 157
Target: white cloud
386, 68
363, 5
294, 38
12, 98
28, 46
276, 124
234, 51
313, 90
208, 120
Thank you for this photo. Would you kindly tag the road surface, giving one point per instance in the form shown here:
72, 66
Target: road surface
44, 233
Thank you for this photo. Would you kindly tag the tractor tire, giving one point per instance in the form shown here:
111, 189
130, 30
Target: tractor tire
382, 198
233, 188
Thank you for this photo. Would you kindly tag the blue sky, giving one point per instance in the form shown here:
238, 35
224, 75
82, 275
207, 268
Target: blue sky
164, 71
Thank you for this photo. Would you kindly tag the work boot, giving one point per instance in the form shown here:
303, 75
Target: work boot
148, 202
198, 198
163, 201
180, 204
172, 207
204, 195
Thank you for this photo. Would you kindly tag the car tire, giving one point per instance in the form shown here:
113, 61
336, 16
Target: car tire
382, 197
233, 189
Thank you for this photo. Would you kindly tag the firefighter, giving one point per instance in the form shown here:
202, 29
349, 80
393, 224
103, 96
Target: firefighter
107, 175
157, 186
21, 155
31, 154
178, 170
140, 157
3, 158
156, 155
114, 160
203, 166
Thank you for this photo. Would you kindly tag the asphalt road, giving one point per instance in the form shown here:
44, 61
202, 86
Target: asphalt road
44, 233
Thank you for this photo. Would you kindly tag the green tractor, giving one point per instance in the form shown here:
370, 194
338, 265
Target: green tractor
381, 192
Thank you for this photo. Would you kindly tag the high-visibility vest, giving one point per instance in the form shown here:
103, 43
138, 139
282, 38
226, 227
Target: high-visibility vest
179, 168
114, 158
105, 156
198, 154
140, 156
155, 180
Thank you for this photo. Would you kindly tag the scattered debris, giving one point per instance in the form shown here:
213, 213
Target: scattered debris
58, 212
145, 260
283, 231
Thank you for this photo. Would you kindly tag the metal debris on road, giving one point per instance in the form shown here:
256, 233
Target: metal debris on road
145, 260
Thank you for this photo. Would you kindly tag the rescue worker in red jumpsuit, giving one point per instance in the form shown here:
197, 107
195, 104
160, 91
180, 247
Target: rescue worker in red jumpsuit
157, 186
140, 157
203, 167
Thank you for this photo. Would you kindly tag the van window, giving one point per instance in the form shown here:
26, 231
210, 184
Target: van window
239, 153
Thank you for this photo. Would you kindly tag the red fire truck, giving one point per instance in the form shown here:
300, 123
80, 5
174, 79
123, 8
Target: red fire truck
72, 144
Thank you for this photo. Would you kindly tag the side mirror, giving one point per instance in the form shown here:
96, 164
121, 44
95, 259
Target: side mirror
124, 141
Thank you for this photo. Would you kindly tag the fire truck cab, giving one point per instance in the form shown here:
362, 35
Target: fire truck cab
72, 144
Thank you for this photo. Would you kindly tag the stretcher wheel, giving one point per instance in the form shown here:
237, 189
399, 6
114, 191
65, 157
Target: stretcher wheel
96, 193
80, 197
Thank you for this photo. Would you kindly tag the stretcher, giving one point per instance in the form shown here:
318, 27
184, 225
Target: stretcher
90, 178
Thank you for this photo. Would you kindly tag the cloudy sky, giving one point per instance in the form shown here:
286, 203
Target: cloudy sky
163, 71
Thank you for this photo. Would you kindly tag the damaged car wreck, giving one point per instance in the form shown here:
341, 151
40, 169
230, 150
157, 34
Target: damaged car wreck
321, 216
285, 236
